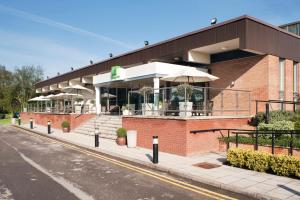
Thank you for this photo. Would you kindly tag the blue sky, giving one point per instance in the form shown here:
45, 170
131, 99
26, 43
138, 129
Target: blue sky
60, 34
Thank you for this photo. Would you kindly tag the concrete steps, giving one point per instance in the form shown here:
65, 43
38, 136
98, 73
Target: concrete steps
107, 126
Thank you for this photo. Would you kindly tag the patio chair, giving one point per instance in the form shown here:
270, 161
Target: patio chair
173, 109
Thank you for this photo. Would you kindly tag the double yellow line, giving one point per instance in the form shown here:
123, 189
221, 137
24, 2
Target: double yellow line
172, 181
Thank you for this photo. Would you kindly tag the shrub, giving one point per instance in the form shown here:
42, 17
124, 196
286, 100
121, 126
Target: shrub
279, 115
2, 116
283, 165
65, 124
257, 119
276, 125
121, 132
259, 161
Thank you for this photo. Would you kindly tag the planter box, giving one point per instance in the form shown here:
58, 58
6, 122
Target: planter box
188, 106
147, 109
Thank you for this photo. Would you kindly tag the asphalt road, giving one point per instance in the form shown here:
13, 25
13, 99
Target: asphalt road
36, 168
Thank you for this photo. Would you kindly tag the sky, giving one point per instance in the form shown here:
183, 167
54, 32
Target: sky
60, 34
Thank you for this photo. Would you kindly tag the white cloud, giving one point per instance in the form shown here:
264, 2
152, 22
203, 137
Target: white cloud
19, 49
62, 26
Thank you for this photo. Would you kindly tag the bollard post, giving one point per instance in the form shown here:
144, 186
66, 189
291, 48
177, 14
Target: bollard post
49, 127
19, 121
155, 150
31, 123
96, 137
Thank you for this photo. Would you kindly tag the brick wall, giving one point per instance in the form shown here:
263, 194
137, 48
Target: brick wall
259, 74
246, 73
56, 119
174, 134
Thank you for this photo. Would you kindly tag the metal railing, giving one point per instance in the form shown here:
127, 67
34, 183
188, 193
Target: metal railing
189, 101
272, 138
282, 105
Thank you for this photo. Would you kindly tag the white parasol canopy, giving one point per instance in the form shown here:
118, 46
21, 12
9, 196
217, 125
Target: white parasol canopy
191, 75
107, 95
40, 98
77, 89
66, 96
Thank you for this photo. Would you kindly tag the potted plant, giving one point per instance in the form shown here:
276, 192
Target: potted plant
121, 136
185, 90
65, 126
146, 106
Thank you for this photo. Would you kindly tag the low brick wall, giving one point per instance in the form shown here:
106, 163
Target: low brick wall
174, 134
56, 119
268, 149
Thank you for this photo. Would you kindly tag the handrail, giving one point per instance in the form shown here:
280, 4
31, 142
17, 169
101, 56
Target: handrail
254, 134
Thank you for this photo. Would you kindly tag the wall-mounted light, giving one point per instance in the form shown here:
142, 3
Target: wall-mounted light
232, 84
58, 73
91, 62
111, 55
213, 21
224, 48
72, 68
146, 42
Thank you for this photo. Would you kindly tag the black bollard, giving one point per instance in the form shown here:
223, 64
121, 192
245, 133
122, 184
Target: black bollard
96, 137
155, 150
31, 123
19, 121
96, 140
49, 127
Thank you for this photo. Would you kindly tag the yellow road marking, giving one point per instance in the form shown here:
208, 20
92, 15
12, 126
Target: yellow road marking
163, 178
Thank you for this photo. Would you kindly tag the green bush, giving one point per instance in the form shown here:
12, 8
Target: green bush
257, 161
2, 116
121, 132
274, 117
257, 119
65, 124
263, 162
276, 125
283, 165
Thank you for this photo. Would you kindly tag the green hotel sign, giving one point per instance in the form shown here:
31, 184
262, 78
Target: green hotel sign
115, 72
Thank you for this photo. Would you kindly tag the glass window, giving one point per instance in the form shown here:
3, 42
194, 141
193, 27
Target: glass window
281, 78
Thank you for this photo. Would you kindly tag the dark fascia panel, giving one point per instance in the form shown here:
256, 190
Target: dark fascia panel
268, 39
175, 47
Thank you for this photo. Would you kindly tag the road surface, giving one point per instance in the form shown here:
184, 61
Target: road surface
33, 167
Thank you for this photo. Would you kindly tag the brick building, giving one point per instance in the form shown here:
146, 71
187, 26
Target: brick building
253, 60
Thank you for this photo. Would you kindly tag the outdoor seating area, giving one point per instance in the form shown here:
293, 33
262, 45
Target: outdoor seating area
72, 99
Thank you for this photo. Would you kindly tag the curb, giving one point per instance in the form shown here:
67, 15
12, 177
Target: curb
206, 181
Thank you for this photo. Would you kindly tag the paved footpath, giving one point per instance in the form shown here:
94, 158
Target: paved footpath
255, 184
33, 167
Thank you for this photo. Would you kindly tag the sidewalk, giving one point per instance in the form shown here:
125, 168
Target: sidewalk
255, 184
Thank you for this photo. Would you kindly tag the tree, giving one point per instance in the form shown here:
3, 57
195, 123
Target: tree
6, 80
23, 88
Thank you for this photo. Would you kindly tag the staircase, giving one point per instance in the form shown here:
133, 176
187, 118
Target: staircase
107, 125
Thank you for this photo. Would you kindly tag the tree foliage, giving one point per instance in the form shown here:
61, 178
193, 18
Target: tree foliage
17, 87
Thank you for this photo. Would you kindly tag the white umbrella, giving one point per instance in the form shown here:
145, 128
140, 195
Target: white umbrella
190, 75
78, 89
66, 96
107, 95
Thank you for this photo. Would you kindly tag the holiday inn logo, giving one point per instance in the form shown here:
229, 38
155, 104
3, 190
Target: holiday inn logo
115, 72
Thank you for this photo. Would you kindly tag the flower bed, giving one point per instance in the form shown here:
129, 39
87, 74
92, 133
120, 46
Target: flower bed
264, 162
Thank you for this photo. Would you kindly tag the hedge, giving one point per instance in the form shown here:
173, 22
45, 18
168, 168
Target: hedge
282, 141
282, 165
